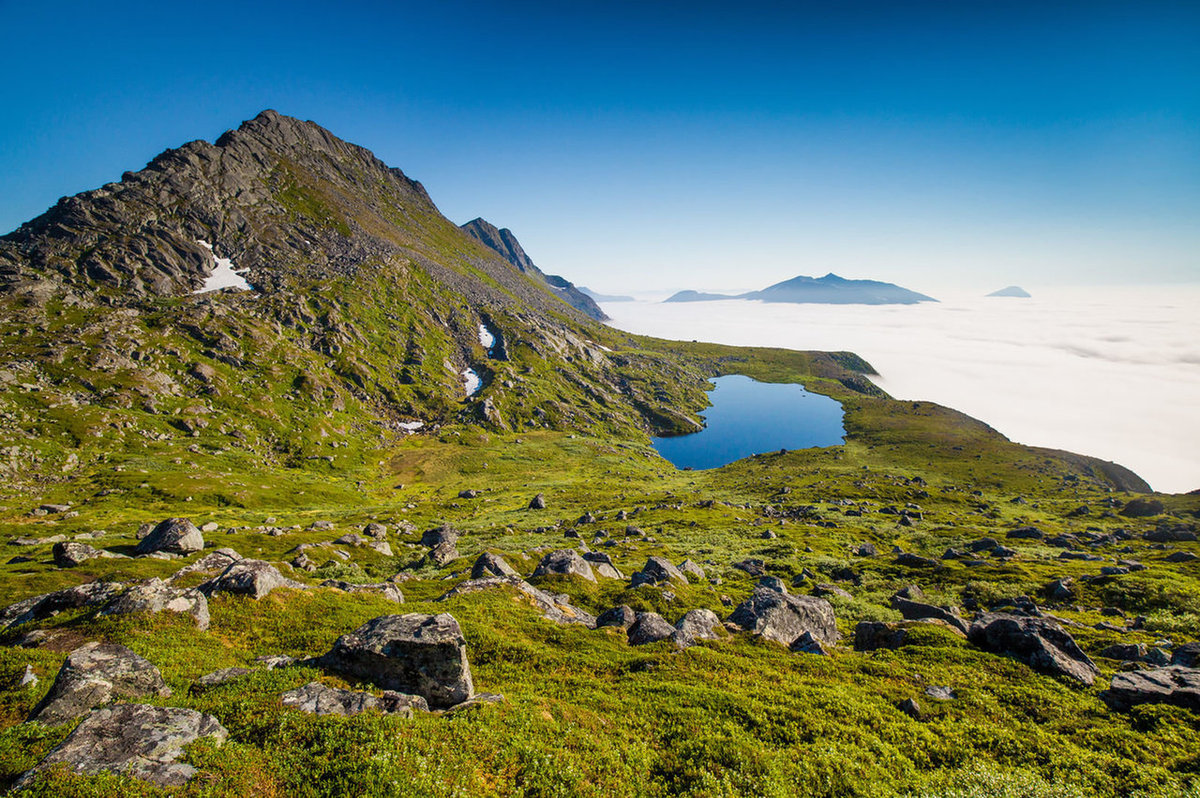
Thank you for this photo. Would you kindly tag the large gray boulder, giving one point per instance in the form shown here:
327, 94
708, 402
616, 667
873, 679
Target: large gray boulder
1174, 685
443, 554
622, 616
214, 562
40, 607
94, 674
319, 699
918, 611
254, 578
158, 596
783, 618
418, 654
658, 571
603, 565
174, 536
565, 562
70, 553
489, 564
138, 740
552, 608
650, 627
699, 624
439, 535
1038, 642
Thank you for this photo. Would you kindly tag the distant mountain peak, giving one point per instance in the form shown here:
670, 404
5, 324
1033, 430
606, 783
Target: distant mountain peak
1012, 291
828, 290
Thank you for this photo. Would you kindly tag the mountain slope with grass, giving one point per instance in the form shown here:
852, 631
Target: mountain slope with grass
214, 503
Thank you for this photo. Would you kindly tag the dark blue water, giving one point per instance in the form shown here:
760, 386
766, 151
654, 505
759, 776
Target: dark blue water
749, 417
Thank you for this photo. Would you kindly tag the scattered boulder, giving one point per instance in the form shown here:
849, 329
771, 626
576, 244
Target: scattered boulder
439, 535
565, 562
807, 644
469, 493
657, 571
699, 624
650, 627
1173, 685
783, 618
1182, 556
174, 536
538, 502
418, 654
387, 590
866, 550
1124, 651
1060, 590
910, 592
1038, 642
217, 678
551, 607
872, 635
825, 590
910, 707
443, 554
254, 578
603, 565
1026, 533
1187, 655
135, 739
909, 560
40, 607
940, 692
693, 568
318, 699
375, 530
158, 596
983, 544
68, 553
94, 674
1143, 508
916, 611
213, 562
489, 564
753, 566
622, 616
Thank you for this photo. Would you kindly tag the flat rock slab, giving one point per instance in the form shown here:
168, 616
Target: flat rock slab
217, 678
47, 604
1038, 642
254, 578
320, 699
158, 596
551, 608
418, 654
917, 611
1174, 685
95, 674
135, 739
214, 562
784, 618
387, 590
174, 535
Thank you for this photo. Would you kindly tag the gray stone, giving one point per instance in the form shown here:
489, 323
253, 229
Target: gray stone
940, 693
1124, 651
94, 674
254, 578
375, 530
622, 616
438, 535
772, 583
783, 618
1173, 685
807, 644
1038, 642
443, 554
565, 562
872, 635
135, 739
490, 564
319, 699
157, 596
68, 554
909, 560
418, 654
603, 565
538, 502
1143, 508
693, 568
551, 607
650, 627
915, 611
657, 571
699, 624
824, 590
214, 562
174, 536
40, 607
217, 678
1187, 655
387, 590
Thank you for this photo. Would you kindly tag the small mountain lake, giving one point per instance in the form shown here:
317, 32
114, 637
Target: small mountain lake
749, 417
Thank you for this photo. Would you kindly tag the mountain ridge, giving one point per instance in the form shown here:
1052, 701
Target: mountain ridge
830, 289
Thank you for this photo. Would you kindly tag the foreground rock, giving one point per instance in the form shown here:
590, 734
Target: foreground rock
174, 536
565, 562
254, 578
1038, 642
418, 654
1174, 685
40, 607
135, 739
158, 596
552, 608
783, 618
319, 699
95, 674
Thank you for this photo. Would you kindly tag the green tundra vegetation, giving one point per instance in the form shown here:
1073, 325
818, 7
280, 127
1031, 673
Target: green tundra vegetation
288, 416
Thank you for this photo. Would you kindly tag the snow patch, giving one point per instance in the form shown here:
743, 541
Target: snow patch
411, 426
223, 274
471, 381
485, 337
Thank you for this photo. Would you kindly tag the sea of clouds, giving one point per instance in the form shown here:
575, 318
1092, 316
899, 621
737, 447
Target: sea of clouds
1108, 372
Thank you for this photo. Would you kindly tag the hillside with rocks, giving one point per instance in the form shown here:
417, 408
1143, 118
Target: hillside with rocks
268, 539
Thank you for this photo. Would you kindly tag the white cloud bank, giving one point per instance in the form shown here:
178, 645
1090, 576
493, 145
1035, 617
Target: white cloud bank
1109, 372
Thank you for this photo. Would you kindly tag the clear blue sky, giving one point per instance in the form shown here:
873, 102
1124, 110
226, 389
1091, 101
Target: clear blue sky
635, 145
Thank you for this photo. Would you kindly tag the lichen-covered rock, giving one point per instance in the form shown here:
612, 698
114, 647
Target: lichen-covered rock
138, 740
699, 624
70, 553
418, 654
565, 562
254, 578
1038, 642
489, 564
657, 571
443, 554
692, 568
387, 590
1173, 685
650, 627
783, 618
94, 674
37, 608
213, 562
158, 596
320, 699
174, 536
217, 678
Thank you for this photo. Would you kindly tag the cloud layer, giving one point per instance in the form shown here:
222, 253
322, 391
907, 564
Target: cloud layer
1108, 372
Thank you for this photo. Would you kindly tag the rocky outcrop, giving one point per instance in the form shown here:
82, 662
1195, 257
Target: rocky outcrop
1038, 642
417, 654
551, 607
95, 674
174, 536
783, 618
158, 596
1174, 685
138, 740
319, 699
565, 562
254, 578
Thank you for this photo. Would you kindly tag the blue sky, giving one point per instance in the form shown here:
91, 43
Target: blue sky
662, 145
